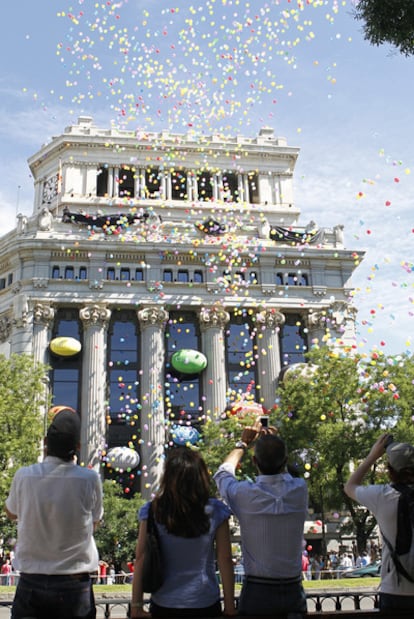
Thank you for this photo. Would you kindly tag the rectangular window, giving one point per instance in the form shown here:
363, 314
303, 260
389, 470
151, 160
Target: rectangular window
110, 273
83, 274
102, 181
182, 276
139, 275
198, 277
167, 275
55, 272
69, 273
125, 275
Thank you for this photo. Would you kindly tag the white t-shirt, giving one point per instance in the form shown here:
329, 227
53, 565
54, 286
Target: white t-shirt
382, 501
56, 504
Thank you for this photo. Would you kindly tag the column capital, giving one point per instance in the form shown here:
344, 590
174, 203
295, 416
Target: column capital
271, 318
152, 316
43, 313
213, 317
95, 315
316, 319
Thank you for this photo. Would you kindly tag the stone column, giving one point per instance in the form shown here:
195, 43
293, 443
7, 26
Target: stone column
245, 188
95, 319
268, 322
22, 329
317, 323
152, 321
43, 315
212, 323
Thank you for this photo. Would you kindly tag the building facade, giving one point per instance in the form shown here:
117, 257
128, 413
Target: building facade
142, 245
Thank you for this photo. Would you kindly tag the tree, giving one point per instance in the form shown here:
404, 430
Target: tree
22, 423
116, 537
332, 416
388, 21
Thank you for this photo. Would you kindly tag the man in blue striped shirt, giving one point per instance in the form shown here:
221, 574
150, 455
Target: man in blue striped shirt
271, 512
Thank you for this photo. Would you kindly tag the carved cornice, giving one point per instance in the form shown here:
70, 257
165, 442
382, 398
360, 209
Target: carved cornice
213, 317
152, 316
95, 315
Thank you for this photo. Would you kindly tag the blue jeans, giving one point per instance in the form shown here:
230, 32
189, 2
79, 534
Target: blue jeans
272, 598
39, 596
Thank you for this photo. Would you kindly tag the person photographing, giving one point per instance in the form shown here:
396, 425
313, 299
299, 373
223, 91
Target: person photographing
392, 504
271, 511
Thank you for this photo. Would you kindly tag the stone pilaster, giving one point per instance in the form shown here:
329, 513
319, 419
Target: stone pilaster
43, 316
317, 323
152, 321
212, 323
268, 322
22, 333
95, 319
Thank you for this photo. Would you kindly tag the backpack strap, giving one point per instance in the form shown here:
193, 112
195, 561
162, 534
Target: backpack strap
398, 565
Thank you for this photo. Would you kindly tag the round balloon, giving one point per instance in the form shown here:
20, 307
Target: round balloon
305, 371
57, 409
188, 361
122, 458
182, 435
65, 346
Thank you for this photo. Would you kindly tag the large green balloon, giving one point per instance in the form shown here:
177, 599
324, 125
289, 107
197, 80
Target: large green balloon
188, 361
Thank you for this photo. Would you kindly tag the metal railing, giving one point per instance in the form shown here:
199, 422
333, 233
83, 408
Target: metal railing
111, 608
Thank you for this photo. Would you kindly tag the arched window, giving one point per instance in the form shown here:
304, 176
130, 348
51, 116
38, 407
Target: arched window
139, 275
167, 275
55, 272
69, 273
83, 273
110, 273
125, 274
198, 277
183, 276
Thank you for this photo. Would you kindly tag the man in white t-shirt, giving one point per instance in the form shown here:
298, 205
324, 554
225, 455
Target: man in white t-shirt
383, 500
57, 505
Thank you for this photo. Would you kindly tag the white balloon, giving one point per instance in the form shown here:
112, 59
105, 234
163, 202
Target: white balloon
122, 458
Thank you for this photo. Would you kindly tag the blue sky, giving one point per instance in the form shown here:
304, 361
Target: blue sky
233, 66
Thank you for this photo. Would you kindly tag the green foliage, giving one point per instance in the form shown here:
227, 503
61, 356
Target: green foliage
218, 440
333, 417
116, 536
22, 403
388, 21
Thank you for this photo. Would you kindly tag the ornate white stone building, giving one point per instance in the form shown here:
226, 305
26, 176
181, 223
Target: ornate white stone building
142, 244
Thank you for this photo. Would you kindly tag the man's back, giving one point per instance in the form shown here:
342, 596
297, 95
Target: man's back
271, 513
56, 503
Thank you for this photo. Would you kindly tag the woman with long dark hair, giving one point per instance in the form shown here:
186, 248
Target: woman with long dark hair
193, 529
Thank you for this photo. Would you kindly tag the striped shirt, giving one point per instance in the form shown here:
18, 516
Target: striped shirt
271, 512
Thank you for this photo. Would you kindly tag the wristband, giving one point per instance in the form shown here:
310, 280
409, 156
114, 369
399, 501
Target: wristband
241, 445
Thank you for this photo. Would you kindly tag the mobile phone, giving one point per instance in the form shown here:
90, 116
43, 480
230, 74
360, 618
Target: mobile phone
264, 421
388, 441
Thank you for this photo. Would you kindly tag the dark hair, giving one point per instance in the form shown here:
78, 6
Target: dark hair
270, 453
405, 476
183, 495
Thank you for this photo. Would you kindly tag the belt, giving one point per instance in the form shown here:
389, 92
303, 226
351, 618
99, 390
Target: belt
261, 580
83, 577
